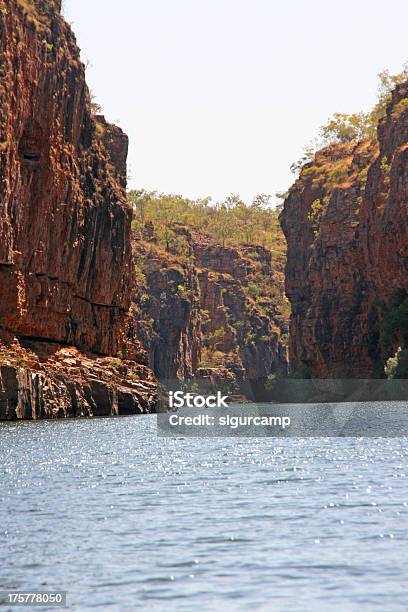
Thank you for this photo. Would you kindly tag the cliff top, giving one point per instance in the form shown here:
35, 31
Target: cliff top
337, 165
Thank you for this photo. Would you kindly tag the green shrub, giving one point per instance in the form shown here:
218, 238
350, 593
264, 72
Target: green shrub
385, 166
397, 366
315, 215
216, 338
254, 290
394, 328
400, 107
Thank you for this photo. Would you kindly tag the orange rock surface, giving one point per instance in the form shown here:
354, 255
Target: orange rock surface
345, 221
65, 254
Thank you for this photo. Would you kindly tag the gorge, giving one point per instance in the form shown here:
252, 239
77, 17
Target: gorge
70, 342
99, 303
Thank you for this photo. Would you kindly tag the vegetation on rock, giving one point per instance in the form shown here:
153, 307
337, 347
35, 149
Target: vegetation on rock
345, 223
210, 290
231, 222
346, 128
394, 333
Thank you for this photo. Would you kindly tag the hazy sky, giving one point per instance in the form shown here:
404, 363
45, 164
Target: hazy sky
221, 96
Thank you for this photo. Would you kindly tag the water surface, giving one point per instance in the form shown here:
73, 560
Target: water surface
124, 520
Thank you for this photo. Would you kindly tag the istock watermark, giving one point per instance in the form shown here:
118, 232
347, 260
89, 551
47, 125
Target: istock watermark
179, 399
294, 408
345, 419
228, 420
194, 414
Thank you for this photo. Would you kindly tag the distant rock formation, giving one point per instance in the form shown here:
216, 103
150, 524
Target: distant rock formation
196, 315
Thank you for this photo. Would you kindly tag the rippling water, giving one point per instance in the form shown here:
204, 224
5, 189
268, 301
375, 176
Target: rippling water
124, 520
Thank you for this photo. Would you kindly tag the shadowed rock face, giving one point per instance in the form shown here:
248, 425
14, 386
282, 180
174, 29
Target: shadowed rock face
345, 221
167, 320
65, 254
203, 299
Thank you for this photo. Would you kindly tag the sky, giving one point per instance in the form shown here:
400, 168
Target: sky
221, 96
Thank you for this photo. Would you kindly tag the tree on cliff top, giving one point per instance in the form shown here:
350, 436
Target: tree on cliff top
343, 127
229, 222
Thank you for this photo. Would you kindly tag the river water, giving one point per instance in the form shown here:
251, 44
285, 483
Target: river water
124, 520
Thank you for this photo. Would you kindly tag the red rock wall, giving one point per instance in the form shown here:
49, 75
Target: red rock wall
347, 255
66, 271
65, 256
167, 314
188, 299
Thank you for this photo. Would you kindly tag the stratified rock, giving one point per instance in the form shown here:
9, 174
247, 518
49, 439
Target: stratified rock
345, 221
167, 320
45, 380
196, 315
66, 271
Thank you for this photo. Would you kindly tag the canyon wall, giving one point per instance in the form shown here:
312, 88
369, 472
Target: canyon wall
66, 270
209, 314
345, 220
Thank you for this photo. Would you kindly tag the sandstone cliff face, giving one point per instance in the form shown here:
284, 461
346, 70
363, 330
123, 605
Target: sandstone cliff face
254, 327
196, 315
65, 252
345, 220
167, 313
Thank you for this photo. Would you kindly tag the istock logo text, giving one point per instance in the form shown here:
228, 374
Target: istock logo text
179, 399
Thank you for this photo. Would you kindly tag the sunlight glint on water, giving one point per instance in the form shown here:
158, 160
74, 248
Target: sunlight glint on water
124, 520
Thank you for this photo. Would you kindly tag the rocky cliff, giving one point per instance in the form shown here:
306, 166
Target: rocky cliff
166, 312
345, 221
216, 313
65, 251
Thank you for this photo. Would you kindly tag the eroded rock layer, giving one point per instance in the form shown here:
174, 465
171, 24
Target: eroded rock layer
217, 313
46, 380
65, 254
345, 221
